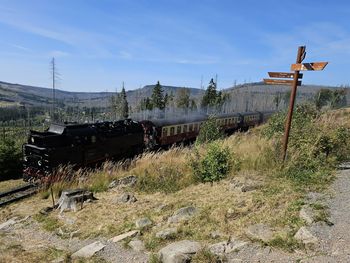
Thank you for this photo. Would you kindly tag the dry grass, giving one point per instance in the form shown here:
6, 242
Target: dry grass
9, 184
165, 178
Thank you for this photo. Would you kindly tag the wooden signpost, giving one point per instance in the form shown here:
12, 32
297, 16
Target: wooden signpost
295, 82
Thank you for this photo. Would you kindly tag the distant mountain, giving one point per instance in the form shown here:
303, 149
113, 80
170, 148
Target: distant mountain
249, 96
18, 94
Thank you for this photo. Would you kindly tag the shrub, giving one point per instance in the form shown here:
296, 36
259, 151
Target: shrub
209, 131
213, 166
10, 159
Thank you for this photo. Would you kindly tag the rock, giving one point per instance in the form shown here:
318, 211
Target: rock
179, 252
45, 211
89, 250
160, 208
183, 214
143, 222
124, 182
306, 237
58, 260
307, 213
73, 199
260, 232
226, 247
344, 166
218, 248
8, 223
216, 234
167, 233
137, 245
125, 235
127, 198
244, 185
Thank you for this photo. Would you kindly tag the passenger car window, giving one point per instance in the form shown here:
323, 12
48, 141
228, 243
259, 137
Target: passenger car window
185, 128
190, 127
178, 130
165, 132
172, 131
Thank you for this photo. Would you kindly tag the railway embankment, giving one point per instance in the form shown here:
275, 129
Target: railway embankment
229, 199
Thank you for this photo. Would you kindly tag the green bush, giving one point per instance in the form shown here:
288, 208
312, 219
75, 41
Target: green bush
209, 131
303, 116
10, 160
213, 166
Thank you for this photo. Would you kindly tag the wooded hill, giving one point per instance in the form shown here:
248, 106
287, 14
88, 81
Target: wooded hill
245, 97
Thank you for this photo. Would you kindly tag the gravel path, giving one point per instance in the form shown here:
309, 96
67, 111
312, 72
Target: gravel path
334, 241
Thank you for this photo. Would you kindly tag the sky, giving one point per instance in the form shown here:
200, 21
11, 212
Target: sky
99, 44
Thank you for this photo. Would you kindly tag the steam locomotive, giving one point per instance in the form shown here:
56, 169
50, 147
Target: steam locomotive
87, 144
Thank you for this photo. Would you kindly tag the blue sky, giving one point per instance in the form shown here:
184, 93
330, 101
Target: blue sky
98, 44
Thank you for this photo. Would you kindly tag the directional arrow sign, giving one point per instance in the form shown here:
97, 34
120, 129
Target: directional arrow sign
286, 75
309, 66
280, 82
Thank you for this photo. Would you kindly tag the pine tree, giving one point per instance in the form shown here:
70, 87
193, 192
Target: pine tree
183, 98
157, 97
210, 95
124, 109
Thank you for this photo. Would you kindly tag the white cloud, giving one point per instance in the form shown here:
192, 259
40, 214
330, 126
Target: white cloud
58, 53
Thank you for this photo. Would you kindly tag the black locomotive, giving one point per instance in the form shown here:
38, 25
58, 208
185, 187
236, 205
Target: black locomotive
86, 144
79, 145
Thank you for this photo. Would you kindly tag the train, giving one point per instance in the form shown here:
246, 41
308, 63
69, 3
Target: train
82, 145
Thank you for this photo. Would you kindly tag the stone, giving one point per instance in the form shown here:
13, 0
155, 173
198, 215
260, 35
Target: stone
218, 248
183, 214
121, 237
216, 234
234, 245
89, 250
73, 199
260, 232
160, 208
244, 185
167, 233
143, 222
128, 181
58, 260
8, 223
45, 211
226, 247
179, 252
137, 245
127, 198
306, 237
307, 214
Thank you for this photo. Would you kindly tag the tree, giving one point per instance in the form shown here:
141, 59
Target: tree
119, 104
333, 98
157, 97
209, 98
124, 104
183, 98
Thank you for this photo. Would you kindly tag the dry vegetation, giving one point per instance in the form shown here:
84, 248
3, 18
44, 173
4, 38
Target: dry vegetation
166, 178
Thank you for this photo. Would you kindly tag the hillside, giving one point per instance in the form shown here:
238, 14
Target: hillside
250, 96
15, 94
258, 210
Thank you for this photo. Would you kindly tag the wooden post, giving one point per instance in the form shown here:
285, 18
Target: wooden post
53, 199
301, 51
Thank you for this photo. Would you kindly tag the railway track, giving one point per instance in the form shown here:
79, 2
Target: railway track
17, 193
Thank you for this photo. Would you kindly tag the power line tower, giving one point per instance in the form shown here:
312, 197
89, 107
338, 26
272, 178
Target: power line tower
54, 76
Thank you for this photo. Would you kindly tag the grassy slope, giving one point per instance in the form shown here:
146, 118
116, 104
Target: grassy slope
165, 178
